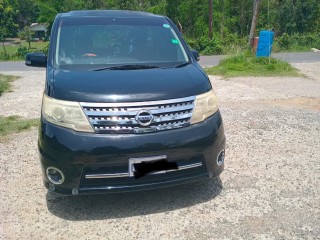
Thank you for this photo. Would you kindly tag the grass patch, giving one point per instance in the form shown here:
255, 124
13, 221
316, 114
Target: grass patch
5, 81
14, 124
246, 64
19, 48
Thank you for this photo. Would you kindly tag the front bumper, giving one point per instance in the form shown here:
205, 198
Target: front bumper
81, 155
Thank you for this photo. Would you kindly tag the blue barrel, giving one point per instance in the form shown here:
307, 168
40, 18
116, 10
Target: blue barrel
265, 44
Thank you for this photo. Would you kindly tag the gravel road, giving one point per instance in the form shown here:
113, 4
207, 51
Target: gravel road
269, 190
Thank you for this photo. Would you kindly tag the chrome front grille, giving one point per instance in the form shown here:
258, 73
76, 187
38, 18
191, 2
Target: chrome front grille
139, 117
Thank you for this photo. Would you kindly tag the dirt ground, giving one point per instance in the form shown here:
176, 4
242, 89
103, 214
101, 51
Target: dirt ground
270, 188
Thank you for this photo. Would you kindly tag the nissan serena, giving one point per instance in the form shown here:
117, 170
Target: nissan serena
125, 107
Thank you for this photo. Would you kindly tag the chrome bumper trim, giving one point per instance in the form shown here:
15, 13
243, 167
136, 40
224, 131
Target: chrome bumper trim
118, 175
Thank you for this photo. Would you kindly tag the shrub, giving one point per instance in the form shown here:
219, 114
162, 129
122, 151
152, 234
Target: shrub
284, 41
4, 56
22, 52
298, 41
45, 50
210, 46
206, 46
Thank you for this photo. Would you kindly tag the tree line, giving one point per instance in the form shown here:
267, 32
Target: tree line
231, 19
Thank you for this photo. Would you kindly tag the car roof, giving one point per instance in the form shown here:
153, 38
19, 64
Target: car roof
110, 13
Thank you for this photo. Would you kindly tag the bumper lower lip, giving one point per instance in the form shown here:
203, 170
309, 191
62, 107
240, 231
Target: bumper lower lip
137, 187
194, 149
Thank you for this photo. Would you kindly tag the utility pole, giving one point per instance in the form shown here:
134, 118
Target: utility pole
210, 19
256, 5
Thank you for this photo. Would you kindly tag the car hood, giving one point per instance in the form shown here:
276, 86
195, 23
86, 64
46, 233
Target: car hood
129, 85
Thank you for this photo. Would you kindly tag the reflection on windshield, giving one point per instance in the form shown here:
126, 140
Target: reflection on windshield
109, 45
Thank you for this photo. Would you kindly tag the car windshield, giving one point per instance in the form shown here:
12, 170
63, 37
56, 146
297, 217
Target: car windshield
94, 43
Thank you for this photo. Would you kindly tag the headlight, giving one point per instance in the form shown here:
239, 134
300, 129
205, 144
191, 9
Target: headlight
205, 106
65, 113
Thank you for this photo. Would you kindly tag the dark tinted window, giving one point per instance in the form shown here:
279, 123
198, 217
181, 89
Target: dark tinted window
112, 41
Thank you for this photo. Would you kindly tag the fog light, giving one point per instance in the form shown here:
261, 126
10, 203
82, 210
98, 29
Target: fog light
75, 191
51, 187
220, 158
55, 175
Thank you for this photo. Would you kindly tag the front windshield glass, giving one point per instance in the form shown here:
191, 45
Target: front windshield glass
113, 42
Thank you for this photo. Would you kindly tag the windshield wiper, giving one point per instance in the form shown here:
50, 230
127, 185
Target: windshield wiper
181, 65
126, 67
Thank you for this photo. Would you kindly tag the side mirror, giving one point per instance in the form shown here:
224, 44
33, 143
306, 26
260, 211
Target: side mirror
195, 54
36, 59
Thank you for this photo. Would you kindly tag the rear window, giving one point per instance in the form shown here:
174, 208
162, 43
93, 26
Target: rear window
113, 41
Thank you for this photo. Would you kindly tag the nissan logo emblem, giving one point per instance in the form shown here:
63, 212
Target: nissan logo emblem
144, 118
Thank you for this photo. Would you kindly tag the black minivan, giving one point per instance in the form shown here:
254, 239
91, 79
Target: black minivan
126, 106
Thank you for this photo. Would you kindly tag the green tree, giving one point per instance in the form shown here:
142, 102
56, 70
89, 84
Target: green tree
158, 7
231, 18
26, 34
7, 25
26, 12
95, 4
